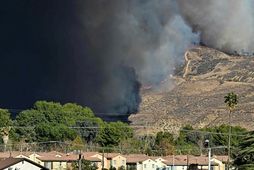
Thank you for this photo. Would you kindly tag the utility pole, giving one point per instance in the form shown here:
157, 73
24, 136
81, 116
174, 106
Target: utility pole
206, 145
102, 159
79, 160
173, 161
209, 158
229, 139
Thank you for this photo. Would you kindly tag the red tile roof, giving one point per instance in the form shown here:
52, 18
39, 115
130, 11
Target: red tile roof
57, 156
92, 159
134, 158
222, 158
111, 155
184, 160
88, 154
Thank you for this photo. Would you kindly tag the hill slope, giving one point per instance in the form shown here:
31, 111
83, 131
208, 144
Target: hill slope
197, 97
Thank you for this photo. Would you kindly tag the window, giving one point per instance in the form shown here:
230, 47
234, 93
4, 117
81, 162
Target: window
123, 162
144, 165
114, 162
152, 165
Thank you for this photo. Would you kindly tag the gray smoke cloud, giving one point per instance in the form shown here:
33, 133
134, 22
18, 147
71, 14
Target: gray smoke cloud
147, 37
150, 37
156, 37
224, 24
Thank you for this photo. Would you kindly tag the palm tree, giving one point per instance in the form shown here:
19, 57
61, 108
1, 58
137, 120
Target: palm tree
4, 131
245, 156
231, 102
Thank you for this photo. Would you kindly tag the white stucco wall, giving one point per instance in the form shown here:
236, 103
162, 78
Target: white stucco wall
149, 164
24, 165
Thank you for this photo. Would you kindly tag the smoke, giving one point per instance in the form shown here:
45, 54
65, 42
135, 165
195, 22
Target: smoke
147, 37
99, 53
142, 41
226, 25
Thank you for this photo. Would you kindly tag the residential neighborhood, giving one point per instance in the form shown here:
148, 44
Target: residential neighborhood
64, 161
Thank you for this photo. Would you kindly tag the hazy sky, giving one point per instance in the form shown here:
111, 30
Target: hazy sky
46, 53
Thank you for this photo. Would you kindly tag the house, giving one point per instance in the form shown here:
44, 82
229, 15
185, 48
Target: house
221, 161
144, 162
134, 161
172, 162
184, 162
56, 160
115, 160
96, 158
161, 163
20, 164
14, 154
150, 164
33, 157
201, 162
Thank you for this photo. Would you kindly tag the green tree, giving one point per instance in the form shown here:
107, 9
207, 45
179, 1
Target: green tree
164, 144
5, 123
89, 129
54, 132
182, 138
67, 114
42, 122
164, 136
113, 133
27, 120
245, 157
131, 145
77, 144
219, 137
231, 101
185, 144
5, 118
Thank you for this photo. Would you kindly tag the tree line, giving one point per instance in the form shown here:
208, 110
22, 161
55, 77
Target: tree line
78, 126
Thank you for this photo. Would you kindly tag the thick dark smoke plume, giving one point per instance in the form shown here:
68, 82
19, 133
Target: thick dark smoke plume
147, 36
99, 53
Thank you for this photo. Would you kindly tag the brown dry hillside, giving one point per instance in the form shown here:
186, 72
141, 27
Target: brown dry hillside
197, 97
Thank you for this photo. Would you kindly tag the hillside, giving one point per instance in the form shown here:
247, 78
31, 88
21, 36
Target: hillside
197, 94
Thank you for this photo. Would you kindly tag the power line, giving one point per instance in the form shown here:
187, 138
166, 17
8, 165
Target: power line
112, 148
139, 126
216, 133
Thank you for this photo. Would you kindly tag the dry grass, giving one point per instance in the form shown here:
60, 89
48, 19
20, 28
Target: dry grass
198, 95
